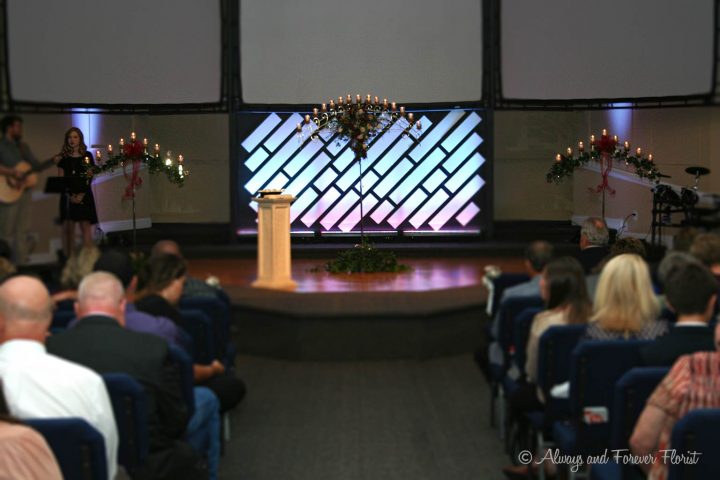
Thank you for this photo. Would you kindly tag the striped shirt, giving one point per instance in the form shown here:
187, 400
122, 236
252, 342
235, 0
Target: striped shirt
692, 383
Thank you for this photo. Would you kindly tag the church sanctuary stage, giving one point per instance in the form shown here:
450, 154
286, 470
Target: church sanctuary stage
434, 309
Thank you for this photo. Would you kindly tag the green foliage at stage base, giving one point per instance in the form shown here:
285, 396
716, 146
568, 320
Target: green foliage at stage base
364, 258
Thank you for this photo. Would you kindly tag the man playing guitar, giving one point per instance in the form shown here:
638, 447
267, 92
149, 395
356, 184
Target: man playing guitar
14, 216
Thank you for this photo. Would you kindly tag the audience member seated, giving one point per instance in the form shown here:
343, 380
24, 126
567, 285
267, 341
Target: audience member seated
691, 292
623, 245
161, 288
119, 263
24, 452
41, 385
625, 305
683, 240
594, 238
100, 342
563, 289
537, 255
692, 383
706, 248
79, 264
194, 287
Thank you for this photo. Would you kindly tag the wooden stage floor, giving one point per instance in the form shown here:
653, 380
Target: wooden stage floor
432, 273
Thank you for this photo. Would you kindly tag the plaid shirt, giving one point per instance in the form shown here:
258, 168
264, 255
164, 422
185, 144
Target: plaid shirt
693, 383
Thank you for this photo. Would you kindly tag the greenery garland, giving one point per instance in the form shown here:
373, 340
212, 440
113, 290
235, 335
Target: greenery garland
134, 154
565, 165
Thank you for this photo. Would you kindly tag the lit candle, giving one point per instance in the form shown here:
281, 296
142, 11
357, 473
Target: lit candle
418, 125
298, 128
615, 139
377, 100
385, 102
180, 159
402, 111
324, 107
340, 100
168, 161
604, 132
558, 158
307, 118
348, 99
410, 117
109, 149
98, 155
132, 137
569, 152
650, 157
157, 149
393, 106
332, 105
367, 98
627, 145
315, 112
145, 142
592, 139
122, 143
86, 160
581, 146
638, 151
357, 98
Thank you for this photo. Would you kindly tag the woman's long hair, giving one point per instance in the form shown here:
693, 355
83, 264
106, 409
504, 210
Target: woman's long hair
159, 272
624, 300
565, 280
67, 149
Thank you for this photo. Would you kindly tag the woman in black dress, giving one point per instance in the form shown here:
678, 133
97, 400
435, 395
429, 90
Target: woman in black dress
77, 208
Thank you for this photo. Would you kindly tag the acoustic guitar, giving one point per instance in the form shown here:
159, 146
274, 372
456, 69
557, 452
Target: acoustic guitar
11, 189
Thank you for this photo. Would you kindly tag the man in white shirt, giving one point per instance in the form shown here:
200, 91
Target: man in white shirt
40, 385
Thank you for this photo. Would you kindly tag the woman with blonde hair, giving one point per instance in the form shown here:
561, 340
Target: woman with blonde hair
79, 265
625, 305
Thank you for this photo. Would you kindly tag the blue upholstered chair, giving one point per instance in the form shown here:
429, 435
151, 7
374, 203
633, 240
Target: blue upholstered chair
78, 447
631, 392
503, 282
595, 368
62, 318
131, 417
219, 314
696, 432
187, 380
200, 328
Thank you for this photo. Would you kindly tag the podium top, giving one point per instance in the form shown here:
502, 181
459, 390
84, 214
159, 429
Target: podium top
274, 199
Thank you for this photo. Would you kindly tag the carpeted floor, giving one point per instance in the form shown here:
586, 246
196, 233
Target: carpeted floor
399, 420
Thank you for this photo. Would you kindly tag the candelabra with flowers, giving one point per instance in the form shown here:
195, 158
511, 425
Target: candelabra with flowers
605, 151
358, 122
134, 154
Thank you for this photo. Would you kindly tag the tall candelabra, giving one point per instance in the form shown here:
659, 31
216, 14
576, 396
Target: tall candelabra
358, 122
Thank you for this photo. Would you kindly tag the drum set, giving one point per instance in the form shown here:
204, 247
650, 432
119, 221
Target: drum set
668, 201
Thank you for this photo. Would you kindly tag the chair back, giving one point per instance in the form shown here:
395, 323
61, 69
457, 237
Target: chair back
219, 314
62, 318
696, 432
503, 282
184, 364
521, 333
131, 417
200, 328
509, 310
78, 447
595, 368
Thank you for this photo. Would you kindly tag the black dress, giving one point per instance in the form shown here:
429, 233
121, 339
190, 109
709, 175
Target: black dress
77, 212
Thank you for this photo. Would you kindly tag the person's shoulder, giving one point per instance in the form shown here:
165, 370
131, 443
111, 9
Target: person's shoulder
66, 369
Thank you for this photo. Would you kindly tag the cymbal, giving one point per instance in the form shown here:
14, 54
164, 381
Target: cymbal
697, 171
662, 175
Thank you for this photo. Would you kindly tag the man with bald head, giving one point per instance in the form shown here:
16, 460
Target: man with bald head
100, 342
41, 385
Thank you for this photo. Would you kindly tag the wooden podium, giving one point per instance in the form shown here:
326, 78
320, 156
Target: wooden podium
274, 266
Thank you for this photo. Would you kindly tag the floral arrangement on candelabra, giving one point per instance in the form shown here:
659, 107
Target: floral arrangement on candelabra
135, 154
605, 151
358, 122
